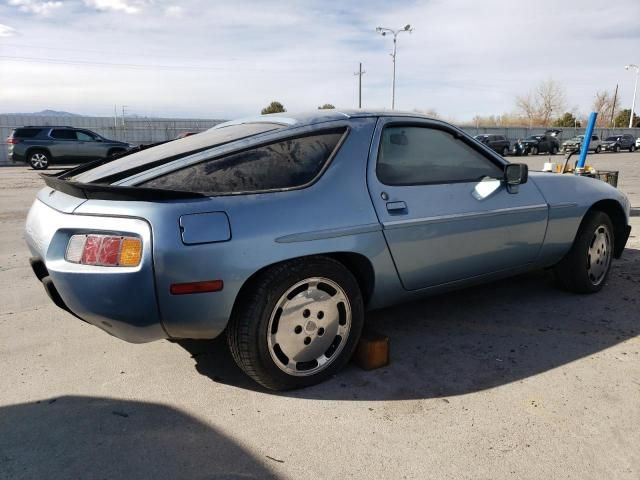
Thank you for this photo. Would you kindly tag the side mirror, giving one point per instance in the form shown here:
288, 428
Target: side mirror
516, 174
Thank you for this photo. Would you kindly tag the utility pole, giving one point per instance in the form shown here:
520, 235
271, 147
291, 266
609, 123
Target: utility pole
383, 31
359, 73
635, 88
613, 105
124, 107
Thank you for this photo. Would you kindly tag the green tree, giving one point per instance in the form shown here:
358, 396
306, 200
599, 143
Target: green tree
273, 107
326, 106
622, 119
567, 120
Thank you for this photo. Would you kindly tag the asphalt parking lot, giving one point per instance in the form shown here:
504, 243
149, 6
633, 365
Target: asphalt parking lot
510, 380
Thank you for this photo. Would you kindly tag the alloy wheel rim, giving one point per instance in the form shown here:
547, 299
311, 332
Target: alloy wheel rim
38, 160
309, 326
599, 255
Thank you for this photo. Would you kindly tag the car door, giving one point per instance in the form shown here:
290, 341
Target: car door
63, 144
445, 212
89, 148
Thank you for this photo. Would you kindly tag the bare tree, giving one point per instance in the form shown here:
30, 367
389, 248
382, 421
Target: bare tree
527, 107
604, 106
551, 99
539, 106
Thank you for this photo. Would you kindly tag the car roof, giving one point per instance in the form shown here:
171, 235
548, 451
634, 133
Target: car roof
320, 116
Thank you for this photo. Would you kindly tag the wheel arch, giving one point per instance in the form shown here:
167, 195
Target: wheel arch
618, 218
358, 264
37, 148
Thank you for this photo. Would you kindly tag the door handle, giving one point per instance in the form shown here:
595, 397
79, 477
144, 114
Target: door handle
396, 207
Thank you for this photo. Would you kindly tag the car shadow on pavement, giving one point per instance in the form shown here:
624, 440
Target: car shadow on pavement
471, 340
90, 437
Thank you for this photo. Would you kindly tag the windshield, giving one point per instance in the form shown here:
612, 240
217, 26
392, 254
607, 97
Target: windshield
613, 139
172, 150
535, 137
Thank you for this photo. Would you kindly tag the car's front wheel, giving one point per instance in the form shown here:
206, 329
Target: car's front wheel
38, 159
616, 149
632, 148
585, 268
554, 150
534, 150
598, 149
505, 151
297, 323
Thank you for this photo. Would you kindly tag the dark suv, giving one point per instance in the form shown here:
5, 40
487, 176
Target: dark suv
615, 143
497, 142
41, 146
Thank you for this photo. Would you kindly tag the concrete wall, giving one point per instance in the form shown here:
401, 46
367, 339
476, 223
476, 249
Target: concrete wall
142, 131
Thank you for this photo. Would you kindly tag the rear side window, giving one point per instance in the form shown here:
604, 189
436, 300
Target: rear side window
61, 134
26, 132
290, 163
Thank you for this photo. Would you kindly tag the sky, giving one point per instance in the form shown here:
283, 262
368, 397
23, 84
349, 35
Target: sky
215, 59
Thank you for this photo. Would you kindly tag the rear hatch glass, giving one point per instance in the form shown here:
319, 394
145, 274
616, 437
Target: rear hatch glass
25, 132
166, 152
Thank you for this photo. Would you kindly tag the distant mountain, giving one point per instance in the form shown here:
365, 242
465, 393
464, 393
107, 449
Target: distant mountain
49, 113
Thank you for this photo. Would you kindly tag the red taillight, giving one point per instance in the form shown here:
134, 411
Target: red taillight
12, 140
196, 287
104, 250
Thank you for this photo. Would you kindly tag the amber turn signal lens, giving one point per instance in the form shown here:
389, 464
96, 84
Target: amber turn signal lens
130, 252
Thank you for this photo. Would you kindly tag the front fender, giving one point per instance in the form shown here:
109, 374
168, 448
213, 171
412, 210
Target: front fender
569, 198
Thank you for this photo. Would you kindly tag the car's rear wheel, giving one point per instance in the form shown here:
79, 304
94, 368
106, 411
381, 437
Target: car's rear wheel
616, 148
586, 267
632, 148
505, 151
39, 159
598, 149
297, 323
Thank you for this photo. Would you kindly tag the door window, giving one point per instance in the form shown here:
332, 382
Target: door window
84, 137
411, 155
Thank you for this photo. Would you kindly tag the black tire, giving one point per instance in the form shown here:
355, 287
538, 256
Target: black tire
534, 150
598, 149
554, 150
505, 151
39, 159
616, 149
632, 148
248, 330
573, 272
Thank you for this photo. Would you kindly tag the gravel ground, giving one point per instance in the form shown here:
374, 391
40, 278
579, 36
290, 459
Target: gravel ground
509, 380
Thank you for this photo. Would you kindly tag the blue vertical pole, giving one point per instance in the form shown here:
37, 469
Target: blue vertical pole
587, 139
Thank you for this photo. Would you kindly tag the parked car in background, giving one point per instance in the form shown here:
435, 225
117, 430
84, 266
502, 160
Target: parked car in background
575, 144
637, 143
544, 143
281, 231
43, 146
615, 143
499, 143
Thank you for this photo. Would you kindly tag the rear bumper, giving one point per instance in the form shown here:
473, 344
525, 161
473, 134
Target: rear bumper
119, 300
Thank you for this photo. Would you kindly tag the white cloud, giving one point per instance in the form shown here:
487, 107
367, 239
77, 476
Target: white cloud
38, 7
6, 31
174, 11
126, 6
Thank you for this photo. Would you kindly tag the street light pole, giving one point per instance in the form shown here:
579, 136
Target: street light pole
635, 88
383, 31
